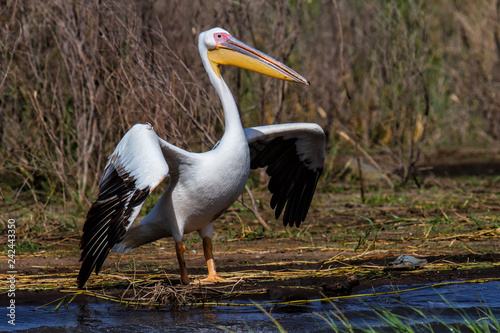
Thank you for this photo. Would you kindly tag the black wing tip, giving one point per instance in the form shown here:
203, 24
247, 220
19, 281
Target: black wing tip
106, 219
91, 263
291, 223
88, 265
299, 203
292, 189
84, 274
82, 279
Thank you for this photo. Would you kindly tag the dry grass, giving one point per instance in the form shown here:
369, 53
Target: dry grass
397, 77
159, 290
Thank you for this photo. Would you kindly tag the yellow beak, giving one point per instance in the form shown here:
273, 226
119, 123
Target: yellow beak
236, 53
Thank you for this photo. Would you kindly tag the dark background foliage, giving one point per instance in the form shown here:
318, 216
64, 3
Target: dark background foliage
394, 77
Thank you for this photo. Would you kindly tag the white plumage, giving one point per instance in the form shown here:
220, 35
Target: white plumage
201, 186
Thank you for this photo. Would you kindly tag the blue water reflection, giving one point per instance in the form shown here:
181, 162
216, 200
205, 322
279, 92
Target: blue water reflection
106, 317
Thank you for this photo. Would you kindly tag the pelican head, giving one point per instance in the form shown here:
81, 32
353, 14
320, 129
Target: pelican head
220, 48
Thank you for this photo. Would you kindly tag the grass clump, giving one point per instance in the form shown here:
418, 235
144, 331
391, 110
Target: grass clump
410, 320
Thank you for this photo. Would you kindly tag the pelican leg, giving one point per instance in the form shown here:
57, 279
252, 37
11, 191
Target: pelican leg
209, 257
179, 249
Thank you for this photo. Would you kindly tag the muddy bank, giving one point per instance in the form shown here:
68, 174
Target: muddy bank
264, 283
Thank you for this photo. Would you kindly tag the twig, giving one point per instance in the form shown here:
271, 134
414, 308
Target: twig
368, 157
254, 209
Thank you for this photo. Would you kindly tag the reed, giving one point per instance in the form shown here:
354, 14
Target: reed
395, 77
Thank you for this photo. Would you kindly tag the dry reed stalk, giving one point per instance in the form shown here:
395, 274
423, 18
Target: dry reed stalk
205, 302
75, 76
158, 290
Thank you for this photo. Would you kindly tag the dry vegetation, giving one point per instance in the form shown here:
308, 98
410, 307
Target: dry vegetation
396, 77
452, 223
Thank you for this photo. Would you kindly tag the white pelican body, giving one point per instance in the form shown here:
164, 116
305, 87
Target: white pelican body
202, 185
205, 174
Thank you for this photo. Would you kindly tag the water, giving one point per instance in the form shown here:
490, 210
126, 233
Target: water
106, 317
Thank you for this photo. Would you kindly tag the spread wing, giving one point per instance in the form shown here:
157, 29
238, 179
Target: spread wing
294, 155
134, 169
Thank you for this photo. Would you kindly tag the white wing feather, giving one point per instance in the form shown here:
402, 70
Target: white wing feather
134, 169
